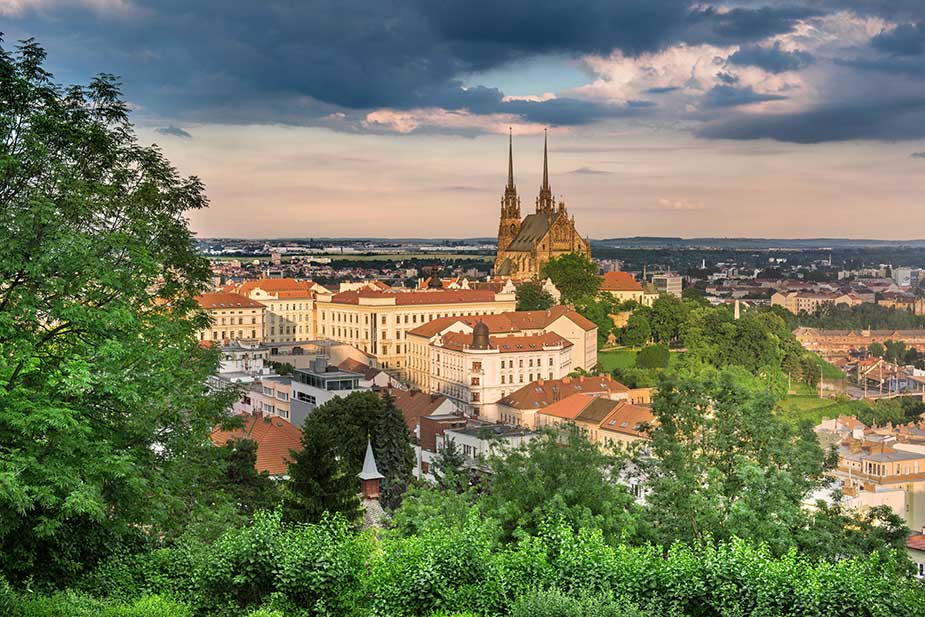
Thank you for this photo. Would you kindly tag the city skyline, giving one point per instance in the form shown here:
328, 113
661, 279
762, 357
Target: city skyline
666, 118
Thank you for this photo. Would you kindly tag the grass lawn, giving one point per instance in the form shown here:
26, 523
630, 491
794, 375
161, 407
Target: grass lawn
795, 408
829, 371
625, 358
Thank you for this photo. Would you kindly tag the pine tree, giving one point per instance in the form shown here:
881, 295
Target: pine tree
392, 447
319, 478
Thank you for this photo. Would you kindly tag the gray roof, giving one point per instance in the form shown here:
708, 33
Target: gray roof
370, 471
532, 230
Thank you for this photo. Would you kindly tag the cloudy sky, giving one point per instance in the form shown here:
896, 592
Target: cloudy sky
390, 118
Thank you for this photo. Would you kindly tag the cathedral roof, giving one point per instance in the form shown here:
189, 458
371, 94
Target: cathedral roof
532, 230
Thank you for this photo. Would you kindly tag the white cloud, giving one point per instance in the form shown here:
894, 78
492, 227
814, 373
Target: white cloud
677, 205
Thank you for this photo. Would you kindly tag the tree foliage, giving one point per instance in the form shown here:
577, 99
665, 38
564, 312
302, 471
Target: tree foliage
574, 275
101, 378
532, 297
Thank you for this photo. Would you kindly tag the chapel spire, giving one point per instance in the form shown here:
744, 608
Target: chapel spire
545, 164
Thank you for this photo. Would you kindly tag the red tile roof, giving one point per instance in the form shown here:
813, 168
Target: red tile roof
620, 281
916, 542
569, 407
514, 321
275, 439
275, 285
222, 300
437, 296
544, 392
628, 419
522, 343
414, 404
355, 366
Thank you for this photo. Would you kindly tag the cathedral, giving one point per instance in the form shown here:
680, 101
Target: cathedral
525, 245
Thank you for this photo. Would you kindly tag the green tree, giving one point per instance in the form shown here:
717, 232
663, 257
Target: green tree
637, 332
532, 297
895, 351
723, 463
448, 467
558, 476
101, 376
597, 309
353, 420
249, 489
653, 356
876, 349
574, 275
667, 316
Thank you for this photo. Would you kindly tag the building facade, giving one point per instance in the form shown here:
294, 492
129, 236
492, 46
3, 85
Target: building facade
809, 301
234, 318
561, 320
377, 322
475, 370
289, 307
622, 286
525, 245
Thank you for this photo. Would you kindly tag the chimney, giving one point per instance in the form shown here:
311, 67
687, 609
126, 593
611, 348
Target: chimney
369, 476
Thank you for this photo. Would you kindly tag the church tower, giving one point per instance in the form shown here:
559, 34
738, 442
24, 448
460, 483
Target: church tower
510, 203
545, 203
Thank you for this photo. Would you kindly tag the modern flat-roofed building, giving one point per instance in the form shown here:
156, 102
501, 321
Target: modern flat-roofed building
376, 322
668, 283
316, 386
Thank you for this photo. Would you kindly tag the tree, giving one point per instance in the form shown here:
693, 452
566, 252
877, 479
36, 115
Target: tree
101, 376
558, 476
597, 309
448, 467
876, 349
638, 332
339, 431
532, 297
249, 489
895, 351
667, 315
723, 465
653, 356
574, 275
320, 480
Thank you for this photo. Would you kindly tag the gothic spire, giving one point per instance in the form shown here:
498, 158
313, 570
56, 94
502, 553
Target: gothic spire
510, 159
545, 186
545, 201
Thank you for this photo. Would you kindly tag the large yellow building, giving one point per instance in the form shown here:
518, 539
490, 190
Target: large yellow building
525, 245
234, 317
289, 305
377, 322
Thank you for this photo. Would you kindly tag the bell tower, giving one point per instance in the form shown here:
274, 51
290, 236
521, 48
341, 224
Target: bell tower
510, 204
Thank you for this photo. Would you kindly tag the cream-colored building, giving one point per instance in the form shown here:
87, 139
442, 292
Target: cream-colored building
290, 307
234, 318
475, 370
561, 320
377, 322
622, 286
605, 421
808, 301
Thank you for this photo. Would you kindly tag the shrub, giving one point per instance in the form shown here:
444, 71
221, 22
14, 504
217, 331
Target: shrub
653, 356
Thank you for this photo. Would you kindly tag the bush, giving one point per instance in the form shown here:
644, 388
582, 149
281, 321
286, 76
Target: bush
653, 356
554, 603
71, 604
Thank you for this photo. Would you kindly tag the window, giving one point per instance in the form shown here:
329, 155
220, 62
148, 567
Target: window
268, 408
475, 397
475, 381
283, 396
550, 363
476, 366
502, 364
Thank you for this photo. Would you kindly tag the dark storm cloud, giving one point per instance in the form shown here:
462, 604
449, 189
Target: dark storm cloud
887, 120
723, 95
290, 62
662, 90
918, 155
174, 132
771, 59
903, 40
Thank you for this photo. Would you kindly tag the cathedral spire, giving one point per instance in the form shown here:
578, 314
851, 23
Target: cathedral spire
545, 201
510, 159
545, 186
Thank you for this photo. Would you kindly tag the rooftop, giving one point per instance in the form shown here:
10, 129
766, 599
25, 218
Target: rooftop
222, 300
275, 439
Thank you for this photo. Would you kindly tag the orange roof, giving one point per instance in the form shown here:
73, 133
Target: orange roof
544, 392
628, 418
275, 439
437, 296
355, 366
507, 344
916, 542
620, 281
514, 321
414, 404
220, 300
569, 407
289, 286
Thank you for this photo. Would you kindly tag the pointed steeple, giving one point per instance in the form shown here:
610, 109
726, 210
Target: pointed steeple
510, 160
545, 201
545, 186
370, 471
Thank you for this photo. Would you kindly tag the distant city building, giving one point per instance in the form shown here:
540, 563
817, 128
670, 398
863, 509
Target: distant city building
810, 301
831, 342
289, 307
604, 421
668, 283
525, 245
